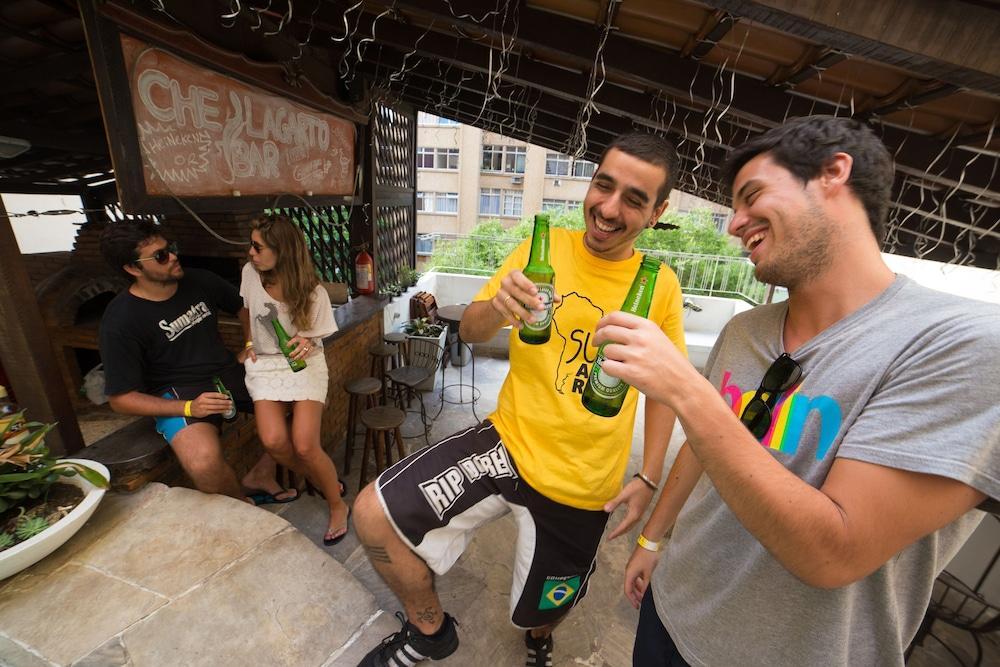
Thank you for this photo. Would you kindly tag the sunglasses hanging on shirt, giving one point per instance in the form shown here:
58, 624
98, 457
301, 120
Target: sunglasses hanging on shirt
781, 376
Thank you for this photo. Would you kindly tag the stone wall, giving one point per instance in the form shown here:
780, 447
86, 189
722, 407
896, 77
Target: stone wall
41, 265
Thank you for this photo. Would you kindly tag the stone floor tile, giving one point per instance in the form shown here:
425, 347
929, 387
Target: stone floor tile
67, 616
371, 636
111, 654
162, 549
286, 603
113, 510
16, 655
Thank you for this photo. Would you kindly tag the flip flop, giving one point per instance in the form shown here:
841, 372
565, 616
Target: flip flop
261, 497
331, 541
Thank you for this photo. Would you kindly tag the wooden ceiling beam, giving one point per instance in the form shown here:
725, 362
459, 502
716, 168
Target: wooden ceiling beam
910, 149
716, 26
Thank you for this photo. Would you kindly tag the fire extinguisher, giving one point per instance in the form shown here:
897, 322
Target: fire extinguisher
364, 272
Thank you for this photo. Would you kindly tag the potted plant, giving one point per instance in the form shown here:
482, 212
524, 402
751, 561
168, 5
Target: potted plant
43, 500
427, 344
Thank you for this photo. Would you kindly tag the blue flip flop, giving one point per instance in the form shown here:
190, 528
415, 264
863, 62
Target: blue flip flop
264, 498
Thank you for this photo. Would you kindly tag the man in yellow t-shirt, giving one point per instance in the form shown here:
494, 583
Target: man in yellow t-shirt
541, 455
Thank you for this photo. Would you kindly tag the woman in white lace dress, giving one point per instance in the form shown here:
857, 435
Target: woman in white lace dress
279, 283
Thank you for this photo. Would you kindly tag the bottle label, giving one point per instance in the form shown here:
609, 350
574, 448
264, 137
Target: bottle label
364, 275
604, 385
543, 316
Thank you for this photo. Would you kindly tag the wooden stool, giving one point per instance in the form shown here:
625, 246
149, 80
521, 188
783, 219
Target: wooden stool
402, 343
382, 355
380, 422
367, 388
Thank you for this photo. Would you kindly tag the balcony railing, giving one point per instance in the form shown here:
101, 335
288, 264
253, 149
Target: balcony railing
707, 275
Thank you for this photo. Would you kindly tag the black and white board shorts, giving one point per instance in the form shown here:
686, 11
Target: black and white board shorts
437, 497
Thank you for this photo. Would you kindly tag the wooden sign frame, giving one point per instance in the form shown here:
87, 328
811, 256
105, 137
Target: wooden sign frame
104, 27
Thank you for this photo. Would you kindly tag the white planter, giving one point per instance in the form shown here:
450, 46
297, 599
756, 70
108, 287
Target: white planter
31, 551
421, 349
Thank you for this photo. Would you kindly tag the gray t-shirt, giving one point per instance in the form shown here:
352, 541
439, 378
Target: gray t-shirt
907, 381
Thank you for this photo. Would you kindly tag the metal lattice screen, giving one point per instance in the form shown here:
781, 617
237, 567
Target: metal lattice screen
327, 234
393, 137
394, 180
395, 239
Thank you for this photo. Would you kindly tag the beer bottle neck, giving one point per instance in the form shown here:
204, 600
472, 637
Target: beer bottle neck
540, 243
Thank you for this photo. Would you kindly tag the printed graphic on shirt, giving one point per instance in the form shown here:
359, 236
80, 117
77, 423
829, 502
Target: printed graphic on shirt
444, 490
557, 591
789, 415
193, 316
577, 354
264, 320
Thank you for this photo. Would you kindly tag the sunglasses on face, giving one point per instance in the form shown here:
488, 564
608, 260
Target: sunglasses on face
783, 373
161, 256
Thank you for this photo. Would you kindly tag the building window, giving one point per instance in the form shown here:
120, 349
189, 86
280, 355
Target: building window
437, 158
512, 203
443, 203
494, 201
504, 159
489, 201
424, 118
446, 202
583, 169
424, 202
559, 204
556, 164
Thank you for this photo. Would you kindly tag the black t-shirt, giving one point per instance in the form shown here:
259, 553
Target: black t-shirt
151, 345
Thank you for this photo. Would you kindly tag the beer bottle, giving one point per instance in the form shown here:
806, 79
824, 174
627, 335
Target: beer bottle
229, 414
605, 394
540, 272
295, 364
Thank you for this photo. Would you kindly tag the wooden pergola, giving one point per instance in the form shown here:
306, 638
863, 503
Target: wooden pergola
565, 74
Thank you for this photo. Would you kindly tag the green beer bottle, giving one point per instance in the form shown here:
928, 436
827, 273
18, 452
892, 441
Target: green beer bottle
295, 364
540, 272
229, 414
604, 394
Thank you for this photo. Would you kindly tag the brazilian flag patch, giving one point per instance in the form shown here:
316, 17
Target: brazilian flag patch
557, 591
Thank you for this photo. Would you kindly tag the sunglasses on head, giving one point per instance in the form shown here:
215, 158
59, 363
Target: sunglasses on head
161, 256
783, 373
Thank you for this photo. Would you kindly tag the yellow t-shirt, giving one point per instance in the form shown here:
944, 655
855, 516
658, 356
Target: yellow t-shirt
562, 450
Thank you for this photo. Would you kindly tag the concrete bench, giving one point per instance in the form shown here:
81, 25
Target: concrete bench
137, 455
702, 328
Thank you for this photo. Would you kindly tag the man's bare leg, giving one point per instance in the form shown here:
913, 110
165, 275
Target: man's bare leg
200, 454
406, 573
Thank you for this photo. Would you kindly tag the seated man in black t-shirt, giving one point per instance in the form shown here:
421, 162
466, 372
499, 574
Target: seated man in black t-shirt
161, 348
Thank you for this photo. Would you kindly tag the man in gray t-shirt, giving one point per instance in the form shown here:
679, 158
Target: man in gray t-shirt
846, 436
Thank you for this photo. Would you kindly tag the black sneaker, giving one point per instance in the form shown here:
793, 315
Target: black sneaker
539, 650
409, 646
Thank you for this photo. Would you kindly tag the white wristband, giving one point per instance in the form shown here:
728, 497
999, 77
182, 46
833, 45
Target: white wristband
648, 545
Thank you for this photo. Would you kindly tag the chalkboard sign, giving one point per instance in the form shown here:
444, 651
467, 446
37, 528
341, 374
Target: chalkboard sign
205, 134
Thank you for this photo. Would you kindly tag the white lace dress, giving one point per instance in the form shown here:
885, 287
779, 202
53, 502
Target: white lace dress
270, 378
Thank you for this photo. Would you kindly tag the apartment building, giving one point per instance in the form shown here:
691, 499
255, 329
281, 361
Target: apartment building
466, 176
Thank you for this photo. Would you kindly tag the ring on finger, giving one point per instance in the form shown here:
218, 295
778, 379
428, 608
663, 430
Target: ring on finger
506, 299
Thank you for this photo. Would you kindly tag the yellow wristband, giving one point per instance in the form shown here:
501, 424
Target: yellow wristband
648, 545
187, 408
248, 345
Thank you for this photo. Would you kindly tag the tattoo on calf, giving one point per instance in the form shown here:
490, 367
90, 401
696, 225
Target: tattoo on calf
427, 615
378, 554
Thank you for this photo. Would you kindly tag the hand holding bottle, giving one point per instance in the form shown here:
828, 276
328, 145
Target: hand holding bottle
210, 403
515, 291
301, 347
